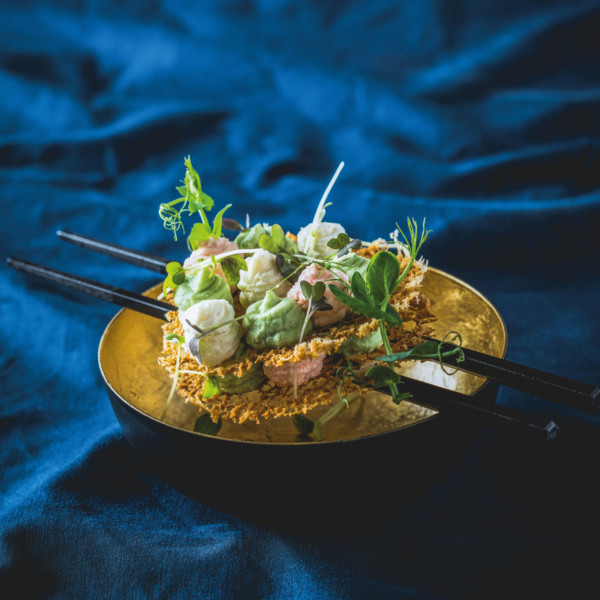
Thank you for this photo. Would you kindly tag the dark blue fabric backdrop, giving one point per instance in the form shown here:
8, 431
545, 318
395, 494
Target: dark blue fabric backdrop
483, 117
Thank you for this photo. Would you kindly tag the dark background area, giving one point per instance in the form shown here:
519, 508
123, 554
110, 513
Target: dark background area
482, 117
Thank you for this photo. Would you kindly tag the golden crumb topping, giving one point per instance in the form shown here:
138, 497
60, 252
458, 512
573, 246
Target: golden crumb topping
270, 400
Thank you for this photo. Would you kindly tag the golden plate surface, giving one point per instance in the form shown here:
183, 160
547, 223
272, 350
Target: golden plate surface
130, 346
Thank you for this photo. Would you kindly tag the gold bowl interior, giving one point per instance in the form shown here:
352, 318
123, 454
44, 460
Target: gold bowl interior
132, 342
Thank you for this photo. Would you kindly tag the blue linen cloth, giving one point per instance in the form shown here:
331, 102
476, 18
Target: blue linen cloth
482, 117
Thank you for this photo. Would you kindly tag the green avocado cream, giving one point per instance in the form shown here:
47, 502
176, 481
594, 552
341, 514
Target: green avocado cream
201, 286
274, 322
356, 345
250, 380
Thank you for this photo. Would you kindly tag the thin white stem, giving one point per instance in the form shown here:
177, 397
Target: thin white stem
174, 385
318, 213
306, 319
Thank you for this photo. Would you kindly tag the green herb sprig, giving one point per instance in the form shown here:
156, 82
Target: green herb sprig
192, 200
371, 298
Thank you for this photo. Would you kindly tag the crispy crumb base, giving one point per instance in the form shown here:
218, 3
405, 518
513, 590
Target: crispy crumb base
273, 401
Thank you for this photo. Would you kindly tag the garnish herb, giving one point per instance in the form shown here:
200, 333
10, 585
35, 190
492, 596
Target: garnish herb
232, 265
211, 386
192, 200
175, 276
288, 266
371, 298
369, 295
273, 242
343, 244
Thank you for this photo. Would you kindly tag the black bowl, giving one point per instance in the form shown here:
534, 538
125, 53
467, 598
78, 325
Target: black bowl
375, 456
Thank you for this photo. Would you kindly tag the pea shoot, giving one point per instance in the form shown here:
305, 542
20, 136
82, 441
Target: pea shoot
192, 200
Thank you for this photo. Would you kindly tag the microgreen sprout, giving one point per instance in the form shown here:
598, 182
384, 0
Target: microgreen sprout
343, 244
192, 200
211, 385
412, 245
316, 301
274, 242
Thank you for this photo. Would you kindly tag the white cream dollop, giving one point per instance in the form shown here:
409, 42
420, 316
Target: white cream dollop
262, 275
219, 345
313, 238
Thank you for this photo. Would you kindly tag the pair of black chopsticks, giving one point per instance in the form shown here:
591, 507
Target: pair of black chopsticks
574, 394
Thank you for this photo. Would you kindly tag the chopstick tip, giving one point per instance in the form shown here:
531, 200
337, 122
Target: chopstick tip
552, 431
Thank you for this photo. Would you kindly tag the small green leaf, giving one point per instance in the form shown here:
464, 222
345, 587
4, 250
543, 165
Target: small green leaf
339, 242
211, 387
364, 308
383, 376
232, 265
175, 336
275, 242
200, 233
204, 424
393, 319
278, 235
217, 227
168, 284
287, 265
179, 277
313, 292
359, 288
352, 245
303, 424
382, 277
196, 198
344, 244
266, 243
173, 267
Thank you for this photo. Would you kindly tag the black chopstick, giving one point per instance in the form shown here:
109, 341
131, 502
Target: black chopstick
497, 417
108, 293
140, 259
573, 394
568, 392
